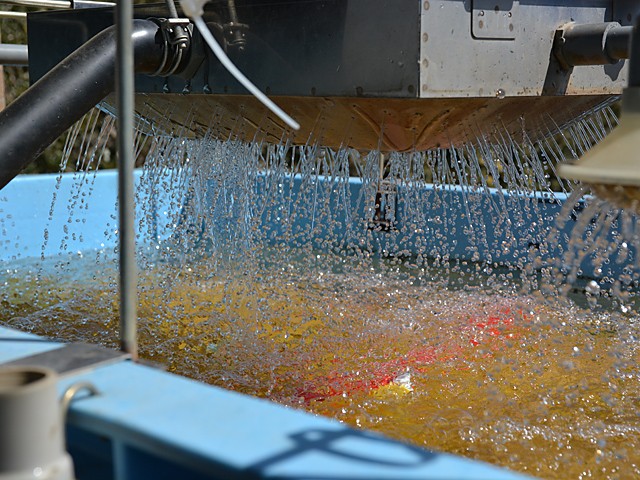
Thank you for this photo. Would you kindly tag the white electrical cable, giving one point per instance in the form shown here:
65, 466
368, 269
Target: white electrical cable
193, 9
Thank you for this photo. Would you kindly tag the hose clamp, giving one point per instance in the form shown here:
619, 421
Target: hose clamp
176, 38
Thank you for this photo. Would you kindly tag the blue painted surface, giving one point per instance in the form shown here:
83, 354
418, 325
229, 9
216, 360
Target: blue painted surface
15, 344
454, 221
85, 205
48, 215
28, 211
236, 436
83, 218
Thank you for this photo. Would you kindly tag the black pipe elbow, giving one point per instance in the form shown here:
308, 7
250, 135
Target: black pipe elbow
61, 97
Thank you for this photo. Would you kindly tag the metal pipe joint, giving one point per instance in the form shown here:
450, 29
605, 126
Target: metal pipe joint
592, 44
60, 98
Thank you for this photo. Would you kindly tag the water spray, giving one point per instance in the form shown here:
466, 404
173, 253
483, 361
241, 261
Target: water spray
612, 168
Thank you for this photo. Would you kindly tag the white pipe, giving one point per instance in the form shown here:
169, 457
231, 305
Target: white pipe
31, 428
193, 9
11, 54
13, 15
233, 70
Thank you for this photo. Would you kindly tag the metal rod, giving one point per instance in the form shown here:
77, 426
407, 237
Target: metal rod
233, 13
634, 60
39, 3
11, 54
126, 160
59, 4
13, 15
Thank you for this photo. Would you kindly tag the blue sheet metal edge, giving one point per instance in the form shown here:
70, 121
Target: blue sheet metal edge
15, 344
223, 434
28, 216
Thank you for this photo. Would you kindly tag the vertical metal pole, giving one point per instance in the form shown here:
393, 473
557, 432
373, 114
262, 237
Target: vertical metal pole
634, 56
2, 97
126, 160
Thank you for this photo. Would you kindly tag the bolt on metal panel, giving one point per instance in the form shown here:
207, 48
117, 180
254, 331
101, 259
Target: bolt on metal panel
495, 19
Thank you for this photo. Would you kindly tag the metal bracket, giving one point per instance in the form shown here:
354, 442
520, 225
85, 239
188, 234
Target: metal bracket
231, 36
385, 212
72, 358
235, 32
495, 19
235, 35
71, 392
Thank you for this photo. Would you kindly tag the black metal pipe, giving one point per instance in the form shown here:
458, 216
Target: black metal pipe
617, 43
592, 44
61, 97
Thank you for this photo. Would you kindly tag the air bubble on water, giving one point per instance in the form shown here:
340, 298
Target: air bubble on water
592, 287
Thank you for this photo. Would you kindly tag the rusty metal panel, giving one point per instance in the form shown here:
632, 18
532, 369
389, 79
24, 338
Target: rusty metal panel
386, 124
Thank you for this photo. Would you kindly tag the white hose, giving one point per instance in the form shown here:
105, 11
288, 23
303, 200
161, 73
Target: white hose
193, 9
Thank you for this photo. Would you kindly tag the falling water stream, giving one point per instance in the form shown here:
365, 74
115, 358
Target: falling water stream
447, 298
